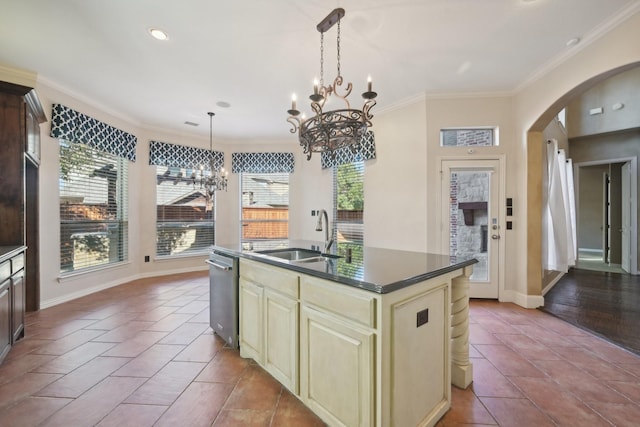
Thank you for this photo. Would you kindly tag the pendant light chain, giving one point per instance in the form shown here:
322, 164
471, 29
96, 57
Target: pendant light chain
211, 134
322, 59
338, 44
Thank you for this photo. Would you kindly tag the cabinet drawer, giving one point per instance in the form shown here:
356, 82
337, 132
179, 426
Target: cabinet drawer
17, 263
359, 306
276, 278
5, 271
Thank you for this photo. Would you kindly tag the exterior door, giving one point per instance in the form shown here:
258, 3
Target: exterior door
471, 219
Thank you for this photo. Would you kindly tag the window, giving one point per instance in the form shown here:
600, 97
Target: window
93, 207
265, 210
469, 137
184, 220
348, 202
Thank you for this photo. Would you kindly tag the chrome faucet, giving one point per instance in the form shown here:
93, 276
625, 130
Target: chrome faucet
327, 242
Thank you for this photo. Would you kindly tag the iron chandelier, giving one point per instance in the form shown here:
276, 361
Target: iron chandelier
217, 179
328, 131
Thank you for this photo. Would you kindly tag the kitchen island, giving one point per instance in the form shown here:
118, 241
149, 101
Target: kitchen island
363, 336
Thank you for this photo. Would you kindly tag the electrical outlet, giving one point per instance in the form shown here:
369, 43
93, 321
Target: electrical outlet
313, 212
146, 258
422, 317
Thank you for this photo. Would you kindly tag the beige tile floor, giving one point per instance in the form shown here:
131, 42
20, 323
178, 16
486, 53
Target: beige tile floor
142, 354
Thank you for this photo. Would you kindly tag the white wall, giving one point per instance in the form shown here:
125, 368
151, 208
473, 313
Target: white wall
310, 189
395, 183
401, 185
623, 89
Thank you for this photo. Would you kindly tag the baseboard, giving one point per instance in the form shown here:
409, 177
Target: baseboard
93, 289
551, 284
591, 251
523, 300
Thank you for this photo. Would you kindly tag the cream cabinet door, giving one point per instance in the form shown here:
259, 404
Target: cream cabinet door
337, 369
251, 320
281, 338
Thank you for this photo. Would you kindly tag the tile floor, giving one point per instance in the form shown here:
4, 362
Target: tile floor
142, 354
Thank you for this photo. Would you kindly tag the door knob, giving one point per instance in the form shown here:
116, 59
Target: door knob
495, 236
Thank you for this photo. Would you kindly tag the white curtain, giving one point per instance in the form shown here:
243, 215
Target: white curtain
559, 221
570, 192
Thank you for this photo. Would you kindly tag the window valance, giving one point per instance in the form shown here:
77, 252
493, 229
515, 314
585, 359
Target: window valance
365, 151
181, 156
73, 126
262, 162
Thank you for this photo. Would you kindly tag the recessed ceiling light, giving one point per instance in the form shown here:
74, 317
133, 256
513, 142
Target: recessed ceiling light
574, 41
223, 104
158, 34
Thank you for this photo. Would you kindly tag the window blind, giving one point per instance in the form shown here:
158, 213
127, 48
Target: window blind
184, 220
348, 202
265, 210
93, 188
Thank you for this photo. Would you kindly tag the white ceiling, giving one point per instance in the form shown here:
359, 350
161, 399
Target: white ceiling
253, 54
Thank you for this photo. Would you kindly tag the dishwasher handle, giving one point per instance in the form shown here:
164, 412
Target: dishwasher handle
219, 266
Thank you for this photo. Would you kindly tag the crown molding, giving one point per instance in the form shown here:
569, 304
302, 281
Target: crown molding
88, 101
622, 15
18, 76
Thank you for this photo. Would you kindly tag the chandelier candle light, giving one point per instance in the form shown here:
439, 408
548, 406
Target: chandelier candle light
218, 178
335, 129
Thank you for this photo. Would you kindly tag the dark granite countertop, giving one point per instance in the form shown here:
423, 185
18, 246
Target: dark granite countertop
374, 269
7, 252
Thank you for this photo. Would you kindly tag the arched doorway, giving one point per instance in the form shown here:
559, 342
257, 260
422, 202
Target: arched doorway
535, 148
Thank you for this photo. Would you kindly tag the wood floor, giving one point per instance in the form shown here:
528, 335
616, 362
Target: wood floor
605, 303
142, 354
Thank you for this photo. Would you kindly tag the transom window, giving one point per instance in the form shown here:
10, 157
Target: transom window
469, 137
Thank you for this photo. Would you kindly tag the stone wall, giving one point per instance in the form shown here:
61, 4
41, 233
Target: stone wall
468, 239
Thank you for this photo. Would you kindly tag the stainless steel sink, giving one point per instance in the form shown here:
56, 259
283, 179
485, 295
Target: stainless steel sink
298, 255
314, 259
291, 254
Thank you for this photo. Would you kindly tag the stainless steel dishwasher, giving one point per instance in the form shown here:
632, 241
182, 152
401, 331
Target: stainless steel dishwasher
223, 307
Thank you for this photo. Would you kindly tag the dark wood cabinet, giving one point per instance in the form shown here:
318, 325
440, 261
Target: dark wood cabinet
12, 137
34, 116
5, 308
12, 296
17, 297
20, 118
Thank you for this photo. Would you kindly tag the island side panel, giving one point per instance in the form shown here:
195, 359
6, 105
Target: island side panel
424, 350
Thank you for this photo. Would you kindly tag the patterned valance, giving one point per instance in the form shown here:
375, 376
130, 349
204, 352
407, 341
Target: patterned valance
181, 156
262, 162
73, 126
365, 151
